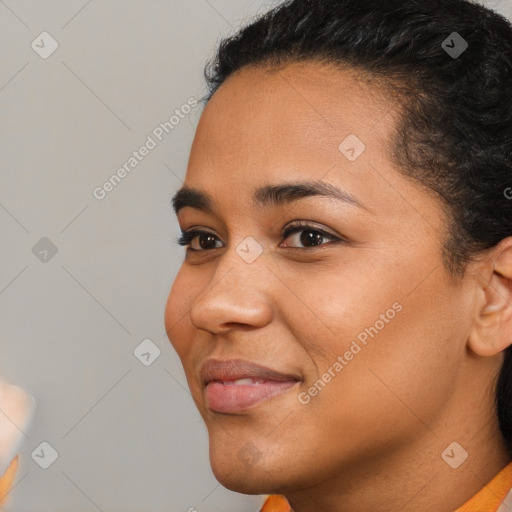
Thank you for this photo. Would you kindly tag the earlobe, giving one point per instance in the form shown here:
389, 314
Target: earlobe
492, 329
492, 308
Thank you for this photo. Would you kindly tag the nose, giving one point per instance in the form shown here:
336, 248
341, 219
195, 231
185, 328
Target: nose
238, 294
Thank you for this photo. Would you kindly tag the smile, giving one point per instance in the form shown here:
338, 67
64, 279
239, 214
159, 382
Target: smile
234, 385
238, 395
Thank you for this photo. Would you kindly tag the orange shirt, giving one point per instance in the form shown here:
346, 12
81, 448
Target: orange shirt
488, 499
7, 479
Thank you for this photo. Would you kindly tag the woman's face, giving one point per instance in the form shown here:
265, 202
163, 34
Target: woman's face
355, 311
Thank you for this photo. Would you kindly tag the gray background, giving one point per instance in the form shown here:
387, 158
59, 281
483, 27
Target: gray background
128, 436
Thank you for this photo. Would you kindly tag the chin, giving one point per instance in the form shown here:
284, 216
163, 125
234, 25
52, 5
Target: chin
241, 483
243, 470
239, 478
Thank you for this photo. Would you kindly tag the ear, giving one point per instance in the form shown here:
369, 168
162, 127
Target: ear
491, 332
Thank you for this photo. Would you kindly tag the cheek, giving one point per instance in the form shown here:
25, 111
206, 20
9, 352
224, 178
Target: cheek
176, 317
399, 349
180, 330
400, 352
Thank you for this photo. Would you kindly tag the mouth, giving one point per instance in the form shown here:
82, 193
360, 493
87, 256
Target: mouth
234, 385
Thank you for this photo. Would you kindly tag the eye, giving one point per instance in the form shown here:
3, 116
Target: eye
311, 237
204, 237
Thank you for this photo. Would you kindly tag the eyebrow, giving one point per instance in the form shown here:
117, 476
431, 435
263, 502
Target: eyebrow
268, 195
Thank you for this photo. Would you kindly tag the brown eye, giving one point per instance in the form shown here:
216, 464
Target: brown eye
308, 235
206, 240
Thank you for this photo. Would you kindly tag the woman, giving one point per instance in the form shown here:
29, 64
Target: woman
344, 309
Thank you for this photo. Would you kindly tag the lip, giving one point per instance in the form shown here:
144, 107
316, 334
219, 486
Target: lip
233, 369
222, 395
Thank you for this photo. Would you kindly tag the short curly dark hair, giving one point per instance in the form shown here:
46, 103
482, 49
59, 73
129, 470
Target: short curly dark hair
455, 131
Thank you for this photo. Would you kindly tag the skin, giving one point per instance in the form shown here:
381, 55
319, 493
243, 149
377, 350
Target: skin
372, 438
16, 411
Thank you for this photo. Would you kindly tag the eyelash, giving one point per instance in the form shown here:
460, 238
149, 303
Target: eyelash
187, 236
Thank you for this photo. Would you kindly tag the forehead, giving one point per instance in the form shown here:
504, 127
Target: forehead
298, 102
268, 126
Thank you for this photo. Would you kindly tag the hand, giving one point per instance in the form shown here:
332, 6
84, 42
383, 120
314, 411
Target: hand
16, 412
